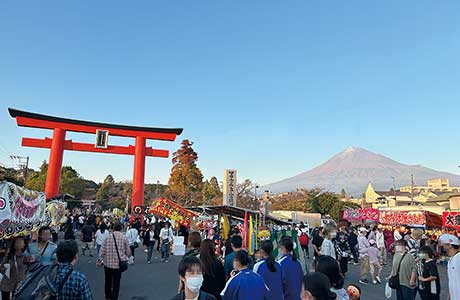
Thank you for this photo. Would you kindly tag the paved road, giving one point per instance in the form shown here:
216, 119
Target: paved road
142, 281
158, 281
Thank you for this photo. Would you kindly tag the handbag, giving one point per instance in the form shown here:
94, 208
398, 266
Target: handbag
122, 265
393, 282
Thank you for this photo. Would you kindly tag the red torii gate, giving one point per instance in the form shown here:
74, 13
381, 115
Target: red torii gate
57, 144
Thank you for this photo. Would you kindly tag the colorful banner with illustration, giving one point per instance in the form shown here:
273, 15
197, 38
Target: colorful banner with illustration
23, 210
364, 214
171, 210
451, 219
408, 218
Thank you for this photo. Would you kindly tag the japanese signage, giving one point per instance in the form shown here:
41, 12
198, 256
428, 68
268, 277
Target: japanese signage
408, 218
361, 214
230, 188
23, 210
451, 219
171, 210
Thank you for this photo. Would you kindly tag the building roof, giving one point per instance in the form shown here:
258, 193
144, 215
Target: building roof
396, 193
19, 113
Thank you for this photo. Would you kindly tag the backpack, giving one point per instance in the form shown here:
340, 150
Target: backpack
41, 284
303, 239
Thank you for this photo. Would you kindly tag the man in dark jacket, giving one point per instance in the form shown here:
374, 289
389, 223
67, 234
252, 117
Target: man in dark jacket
191, 276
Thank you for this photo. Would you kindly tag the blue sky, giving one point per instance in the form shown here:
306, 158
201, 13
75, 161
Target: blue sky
270, 88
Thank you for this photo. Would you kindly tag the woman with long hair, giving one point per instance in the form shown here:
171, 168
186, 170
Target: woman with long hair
15, 260
316, 286
291, 268
270, 270
214, 275
329, 267
101, 234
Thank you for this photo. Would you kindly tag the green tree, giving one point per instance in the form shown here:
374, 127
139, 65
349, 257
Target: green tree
104, 192
36, 180
73, 184
186, 181
211, 191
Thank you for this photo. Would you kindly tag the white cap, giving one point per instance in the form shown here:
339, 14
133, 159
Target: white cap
448, 239
362, 229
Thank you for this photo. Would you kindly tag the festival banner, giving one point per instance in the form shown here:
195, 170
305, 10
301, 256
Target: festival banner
451, 219
364, 214
408, 218
23, 210
171, 210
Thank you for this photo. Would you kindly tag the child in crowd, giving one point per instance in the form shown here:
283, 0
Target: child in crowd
354, 292
374, 262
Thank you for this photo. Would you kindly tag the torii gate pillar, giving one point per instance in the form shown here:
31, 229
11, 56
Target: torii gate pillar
53, 177
139, 173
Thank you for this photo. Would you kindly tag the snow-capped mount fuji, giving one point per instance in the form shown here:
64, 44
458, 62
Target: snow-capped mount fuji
352, 170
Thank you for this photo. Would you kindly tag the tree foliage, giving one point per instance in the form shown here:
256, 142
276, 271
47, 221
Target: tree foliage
246, 195
186, 181
71, 183
211, 191
314, 200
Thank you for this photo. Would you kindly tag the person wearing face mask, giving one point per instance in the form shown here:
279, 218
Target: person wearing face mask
244, 284
327, 247
407, 267
450, 243
430, 286
191, 275
316, 286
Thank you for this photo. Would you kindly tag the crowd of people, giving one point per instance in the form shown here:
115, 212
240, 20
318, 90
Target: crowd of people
214, 268
415, 261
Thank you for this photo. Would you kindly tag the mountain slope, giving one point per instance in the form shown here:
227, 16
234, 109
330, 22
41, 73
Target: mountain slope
354, 168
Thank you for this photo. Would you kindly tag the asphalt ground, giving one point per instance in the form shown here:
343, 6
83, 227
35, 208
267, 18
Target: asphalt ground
158, 280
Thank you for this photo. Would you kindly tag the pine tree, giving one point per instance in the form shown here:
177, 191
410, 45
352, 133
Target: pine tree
186, 182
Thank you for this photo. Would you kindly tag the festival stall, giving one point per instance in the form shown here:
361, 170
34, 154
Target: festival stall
416, 218
23, 211
361, 215
451, 220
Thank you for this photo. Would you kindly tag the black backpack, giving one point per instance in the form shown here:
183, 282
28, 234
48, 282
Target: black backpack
42, 284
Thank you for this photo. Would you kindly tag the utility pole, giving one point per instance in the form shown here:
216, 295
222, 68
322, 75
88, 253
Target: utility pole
411, 189
255, 196
23, 163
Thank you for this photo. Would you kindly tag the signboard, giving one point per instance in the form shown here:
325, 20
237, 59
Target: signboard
408, 218
171, 210
102, 138
230, 188
451, 219
364, 214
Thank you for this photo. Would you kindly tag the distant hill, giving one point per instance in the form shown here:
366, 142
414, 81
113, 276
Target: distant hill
354, 168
